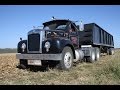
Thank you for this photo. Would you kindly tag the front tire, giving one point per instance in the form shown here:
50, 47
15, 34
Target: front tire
67, 59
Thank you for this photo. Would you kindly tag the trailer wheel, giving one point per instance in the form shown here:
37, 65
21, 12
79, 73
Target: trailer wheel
111, 51
108, 52
91, 58
23, 64
67, 59
97, 53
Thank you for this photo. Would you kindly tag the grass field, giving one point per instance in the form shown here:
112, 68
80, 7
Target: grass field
106, 71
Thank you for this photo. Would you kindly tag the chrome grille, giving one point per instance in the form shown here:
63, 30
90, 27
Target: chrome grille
34, 42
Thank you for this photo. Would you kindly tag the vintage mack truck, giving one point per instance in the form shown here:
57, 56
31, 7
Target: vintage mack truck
62, 41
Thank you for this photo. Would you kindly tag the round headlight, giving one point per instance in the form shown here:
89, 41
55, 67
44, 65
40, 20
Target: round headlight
23, 46
47, 44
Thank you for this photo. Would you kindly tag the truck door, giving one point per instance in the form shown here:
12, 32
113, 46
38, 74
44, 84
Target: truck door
73, 35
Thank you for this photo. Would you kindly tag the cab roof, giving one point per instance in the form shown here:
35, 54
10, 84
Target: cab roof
57, 20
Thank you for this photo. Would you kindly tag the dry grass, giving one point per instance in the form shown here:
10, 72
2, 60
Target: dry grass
104, 71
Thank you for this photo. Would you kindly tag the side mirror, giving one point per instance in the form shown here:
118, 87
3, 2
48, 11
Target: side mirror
20, 39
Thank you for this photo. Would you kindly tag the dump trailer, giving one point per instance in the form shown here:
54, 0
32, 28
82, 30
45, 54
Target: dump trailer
62, 43
95, 36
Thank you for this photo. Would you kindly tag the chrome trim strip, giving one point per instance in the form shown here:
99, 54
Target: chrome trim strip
27, 44
86, 45
41, 36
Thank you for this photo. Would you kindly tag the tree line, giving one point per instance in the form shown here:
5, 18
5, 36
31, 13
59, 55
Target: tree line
8, 50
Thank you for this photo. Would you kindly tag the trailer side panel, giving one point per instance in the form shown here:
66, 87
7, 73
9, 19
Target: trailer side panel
95, 35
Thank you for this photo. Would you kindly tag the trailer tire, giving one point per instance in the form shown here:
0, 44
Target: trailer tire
91, 58
111, 51
23, 64
97, 53
108, 51
67, 59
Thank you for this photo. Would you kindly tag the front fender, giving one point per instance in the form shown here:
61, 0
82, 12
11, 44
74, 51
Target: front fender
56, 45
19, 50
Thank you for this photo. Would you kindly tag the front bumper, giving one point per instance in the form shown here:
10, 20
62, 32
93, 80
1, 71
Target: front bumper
55, 57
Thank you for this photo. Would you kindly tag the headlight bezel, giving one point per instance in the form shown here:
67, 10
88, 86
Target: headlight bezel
23, 47
47, 45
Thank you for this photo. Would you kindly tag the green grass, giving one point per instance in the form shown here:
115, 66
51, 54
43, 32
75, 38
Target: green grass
109, 72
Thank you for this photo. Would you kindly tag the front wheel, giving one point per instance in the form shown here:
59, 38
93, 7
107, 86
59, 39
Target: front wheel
67, 59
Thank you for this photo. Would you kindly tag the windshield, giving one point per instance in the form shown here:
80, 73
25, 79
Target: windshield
56, 26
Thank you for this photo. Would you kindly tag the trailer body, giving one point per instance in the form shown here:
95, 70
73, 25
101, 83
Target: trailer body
96, 36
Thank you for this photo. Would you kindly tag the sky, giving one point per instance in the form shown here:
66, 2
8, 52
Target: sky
17, 20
